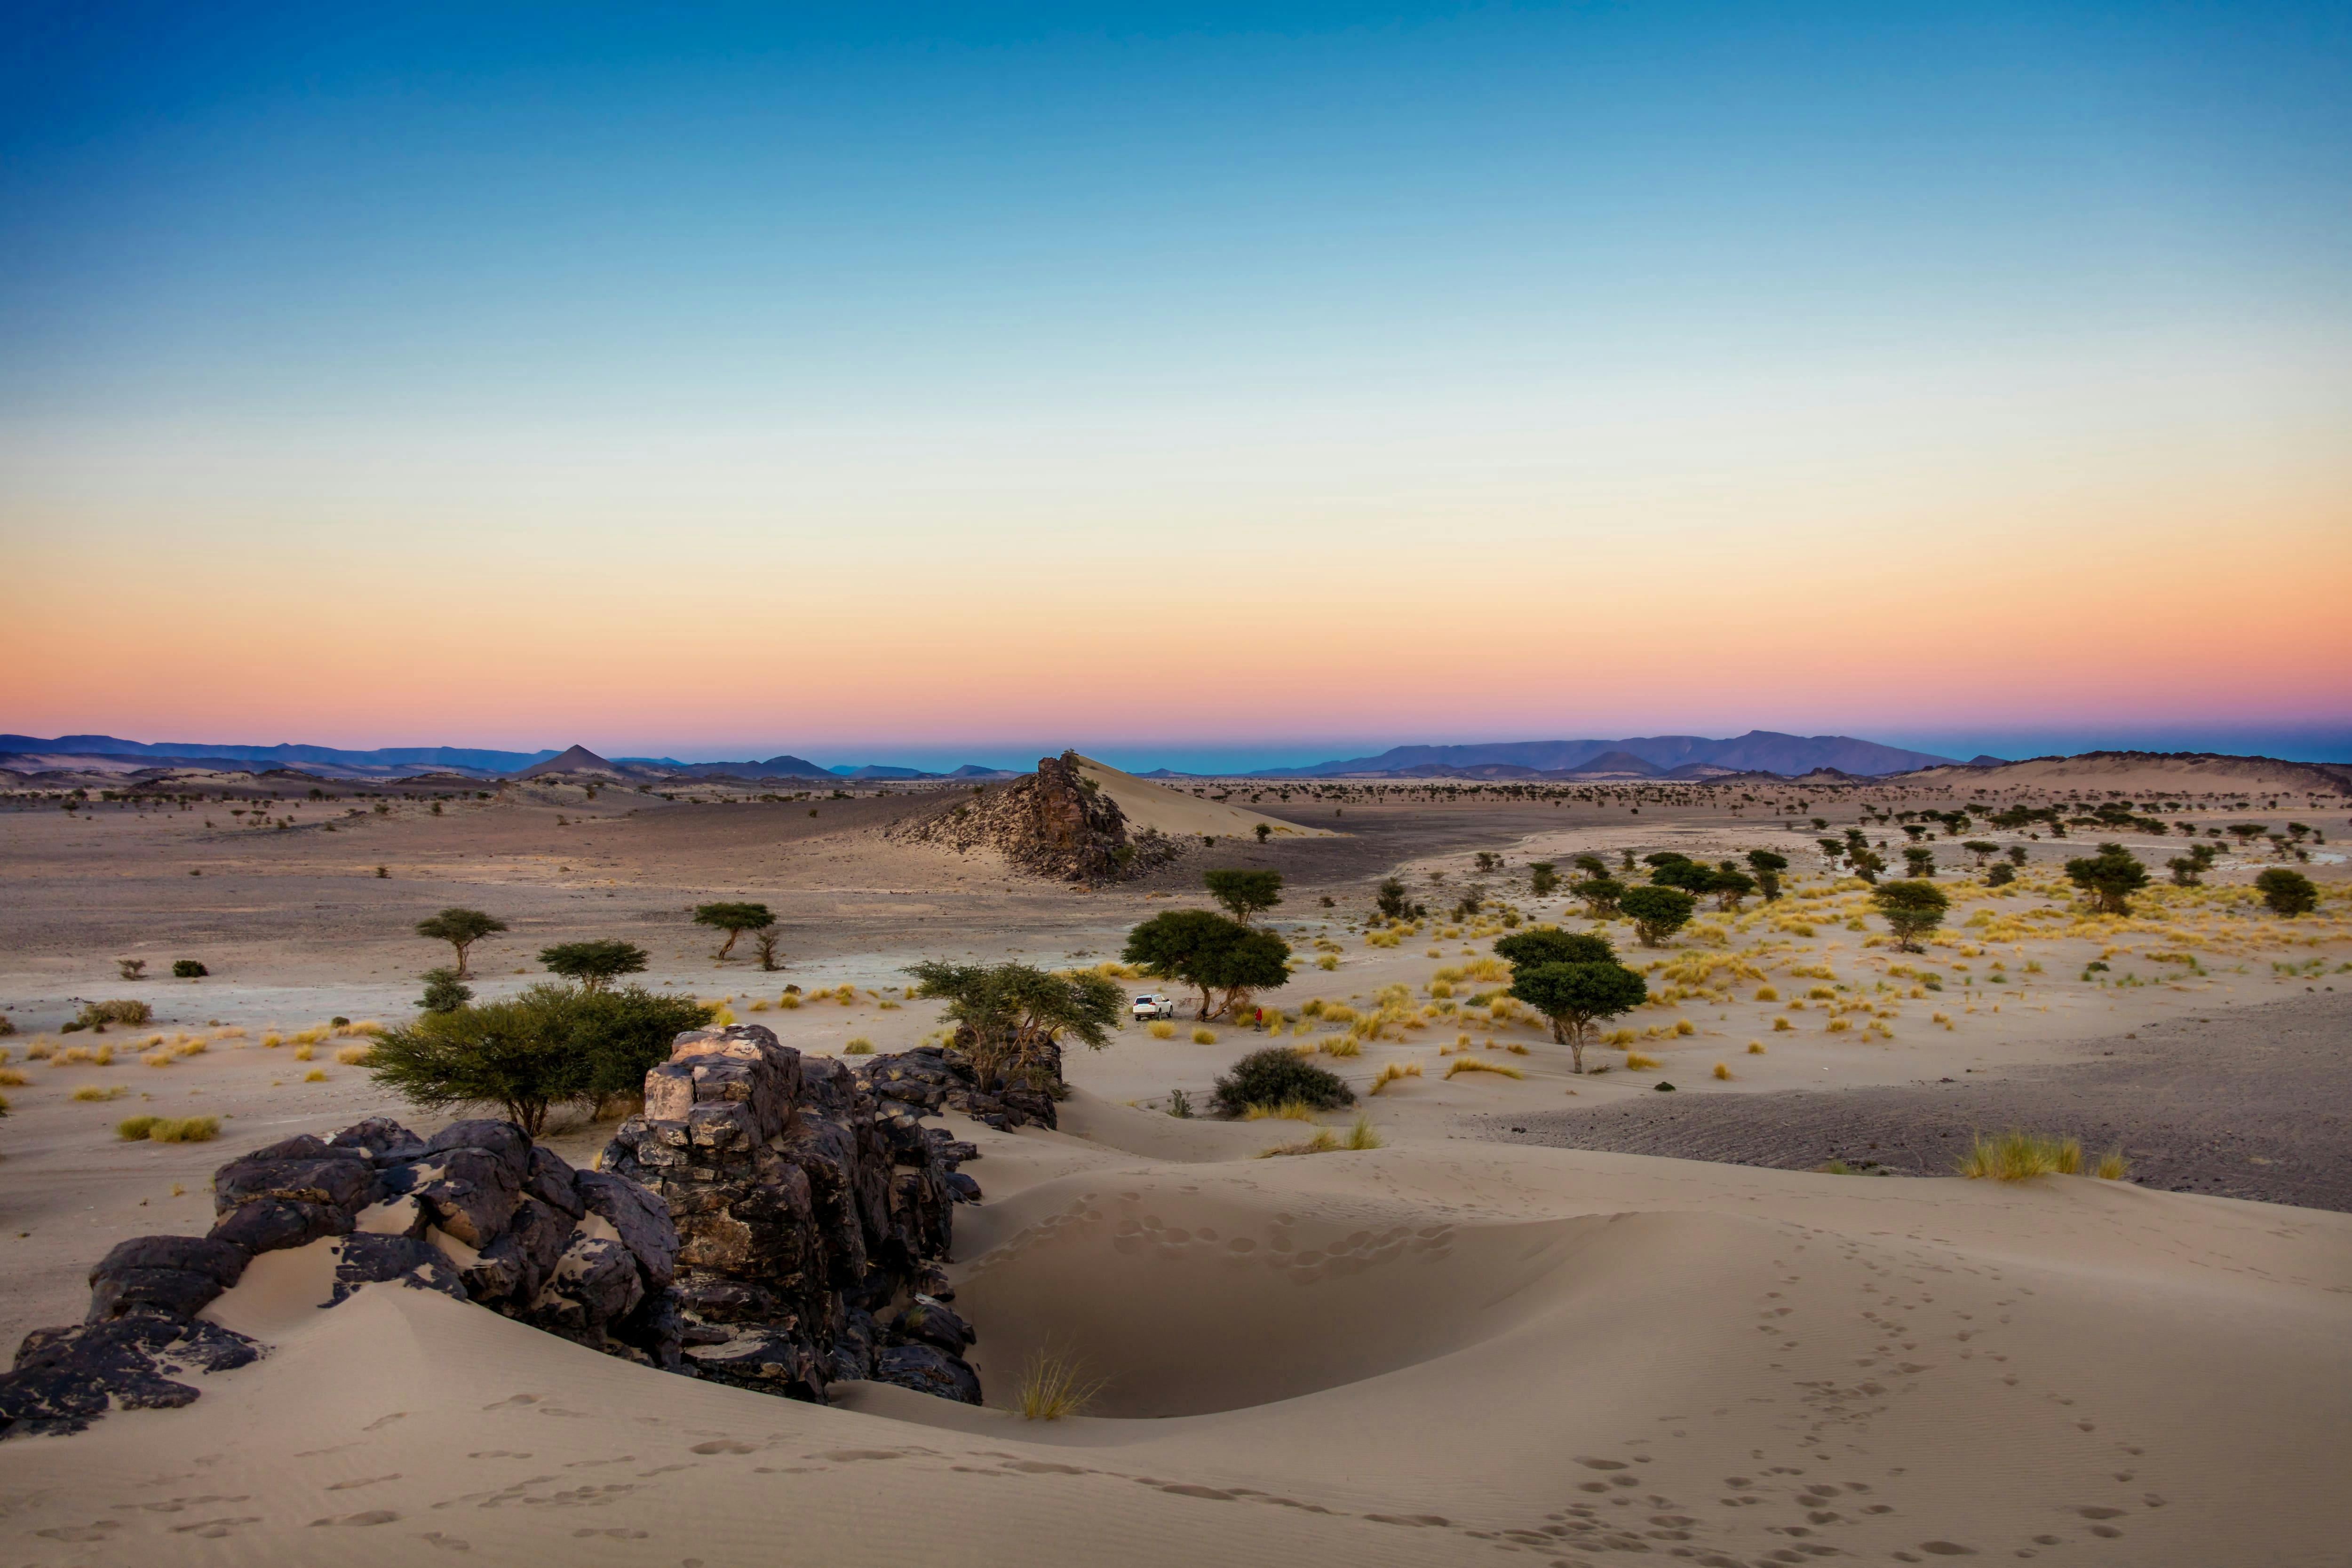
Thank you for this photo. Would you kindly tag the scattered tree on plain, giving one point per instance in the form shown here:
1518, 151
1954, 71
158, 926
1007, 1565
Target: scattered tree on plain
461, 928
1225, 960
733, 919
1015, 1011
1543, 878
2109, 878
594, 964
1244, 894
1599, 894
2287, 892
1657, 913
1911, 909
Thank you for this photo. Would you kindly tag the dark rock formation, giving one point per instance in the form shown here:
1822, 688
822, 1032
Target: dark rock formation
807, 1199
476, 1211
1054, 823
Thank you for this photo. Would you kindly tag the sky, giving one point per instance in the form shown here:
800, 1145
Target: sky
1209, 386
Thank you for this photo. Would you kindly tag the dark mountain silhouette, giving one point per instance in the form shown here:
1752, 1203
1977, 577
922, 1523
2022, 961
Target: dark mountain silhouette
464, 759
1757, 751
578, 760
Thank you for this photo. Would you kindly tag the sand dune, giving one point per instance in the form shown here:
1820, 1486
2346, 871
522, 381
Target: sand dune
2180, 773
1180, 815
1414, 1354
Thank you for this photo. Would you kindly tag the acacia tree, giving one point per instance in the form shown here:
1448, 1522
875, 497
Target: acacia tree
734, 919
1919, 862
1204, 949
1768, 867
1015, 1011
1980, 848
2109, 877
1657, 912
1244, 894
1599, 894
1590, 865
1729, 886
1911, 909
1576, 995
461, 928
1543, 878
2287, 892
1532, 949
594, 964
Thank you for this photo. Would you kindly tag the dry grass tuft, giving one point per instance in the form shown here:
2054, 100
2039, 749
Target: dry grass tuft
2020, 1155
316, 1075
1723, 1071
1480, 1064
355, 1055
1288, 1111
1766, 994
303, 1053
1755, 1048
91, 1091
1636, 1063
1054, 1385
1322, 1142
1161, 1030
1362, 1135
1204, 1036
1394, 1073
858, 1045
168, 1130
2111, 1166
1327, 961
1339, 1045
12, 1079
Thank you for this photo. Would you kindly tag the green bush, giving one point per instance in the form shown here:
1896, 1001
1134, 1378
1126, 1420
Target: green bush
1657, 913
96, 1015
188, 969
2287, 892
1274, 1075
549, 1045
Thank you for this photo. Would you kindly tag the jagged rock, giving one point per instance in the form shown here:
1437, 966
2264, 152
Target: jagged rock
585, 1254
801, 1200
934, 1323
362, 1259
927, 1369
65, 1378
1052, 823
179, 1275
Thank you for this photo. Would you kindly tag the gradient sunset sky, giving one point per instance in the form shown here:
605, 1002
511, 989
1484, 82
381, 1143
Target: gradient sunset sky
1200, 385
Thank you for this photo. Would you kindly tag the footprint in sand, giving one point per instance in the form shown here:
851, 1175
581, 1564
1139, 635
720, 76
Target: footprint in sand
517, 1399
439, 1542
363, 1481
851, 1456
373, 1515
384, 1420
215, 1528
98, 1530
723, 1445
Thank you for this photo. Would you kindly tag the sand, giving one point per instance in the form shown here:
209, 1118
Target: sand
1435, 1351
1159, 809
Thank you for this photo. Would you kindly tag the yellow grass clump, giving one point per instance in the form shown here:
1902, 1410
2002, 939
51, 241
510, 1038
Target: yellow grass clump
1755, 1048
1161, 1030
2020, 1155
1362, 1135
1322, 1142
304, 1053
1781, 1025
788, 1001
1204, 1036
1287, 1111
858, 1045
1480, 1064
1766, 994
12, 1079
272, 1040
1055, 1385
355, 1055
316, 1075
168, 1130
1339, 1045
1394, 1073
1723, 1070
1636, 1063
93, 1091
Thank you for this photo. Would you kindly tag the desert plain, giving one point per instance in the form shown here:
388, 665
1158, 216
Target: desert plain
1755, 1317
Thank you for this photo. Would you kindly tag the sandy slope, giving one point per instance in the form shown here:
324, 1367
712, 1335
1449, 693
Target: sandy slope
1427, 1353
1180, 815
2256, 777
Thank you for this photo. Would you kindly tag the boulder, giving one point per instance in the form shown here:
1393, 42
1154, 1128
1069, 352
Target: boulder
927, 1369
65, 1378
178, 1275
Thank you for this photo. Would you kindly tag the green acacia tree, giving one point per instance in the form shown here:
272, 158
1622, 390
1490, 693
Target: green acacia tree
1574, 997
1657, 913
2287, 892
2109, 878
1599, 894
1911, 910
1918, 864
1224, 959
594, 964
1531, 949
1244, 894
1768, 867
733, 919
1980, 848
1015, 1011
461, 928
1543, 878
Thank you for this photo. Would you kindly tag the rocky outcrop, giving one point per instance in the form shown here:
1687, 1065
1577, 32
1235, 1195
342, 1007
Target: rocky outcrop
1054, 823
769, 1221
808, 1204
476, 1212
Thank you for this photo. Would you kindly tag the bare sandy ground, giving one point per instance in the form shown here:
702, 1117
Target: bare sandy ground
1431, 1351
2255, 1104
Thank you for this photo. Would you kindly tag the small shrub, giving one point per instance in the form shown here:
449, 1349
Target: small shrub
1161, 1030
1180, 1104
1480, 1064
303, 1052
188, 969
1327, 961
12, 1079
2111, 1166
2018, 1156
1339, 1045
1755, 1048
1054, 1385
1287, 1111
859, 1045
1636, 1063
91, 1091
1394, 1073
355, 1055
1685, 1027
1781, 1025
1204, 1036
316, 1075
131, 969
1361, 1134
1766, 994
1274, 1076
1723, 1070
132, 1129
187, 1130
96, 1015
1322, 1142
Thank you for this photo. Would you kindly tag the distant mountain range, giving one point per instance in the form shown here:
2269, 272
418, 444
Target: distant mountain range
1665, 756
1648, 756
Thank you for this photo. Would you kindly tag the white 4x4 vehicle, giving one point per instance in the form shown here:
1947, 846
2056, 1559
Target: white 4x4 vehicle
1154, 1005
